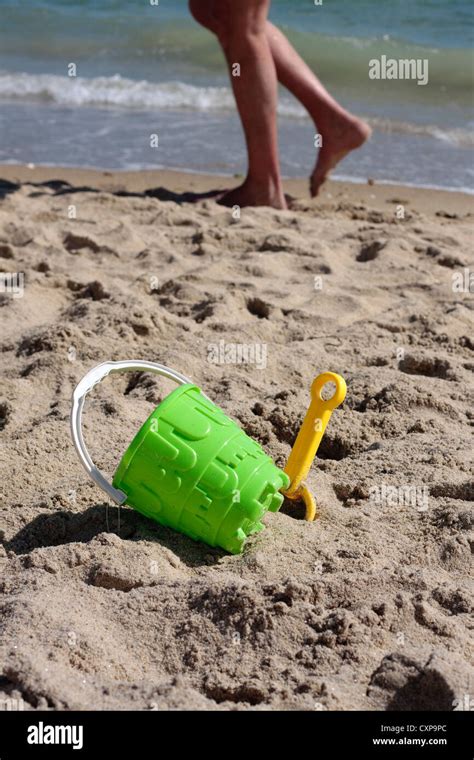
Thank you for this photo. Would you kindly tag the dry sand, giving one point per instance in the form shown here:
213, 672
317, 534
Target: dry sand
367, 608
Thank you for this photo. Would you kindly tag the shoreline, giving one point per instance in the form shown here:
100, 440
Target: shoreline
222, 176
379, 195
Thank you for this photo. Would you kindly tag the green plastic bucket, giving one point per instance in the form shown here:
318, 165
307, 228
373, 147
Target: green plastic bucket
190, 466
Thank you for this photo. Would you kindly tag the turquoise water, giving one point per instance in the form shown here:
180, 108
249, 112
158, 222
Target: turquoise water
145, 69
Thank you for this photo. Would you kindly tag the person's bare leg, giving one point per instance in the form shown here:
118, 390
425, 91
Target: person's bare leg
340, 130
241, 30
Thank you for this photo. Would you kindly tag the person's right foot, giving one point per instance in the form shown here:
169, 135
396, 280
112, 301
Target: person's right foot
344, 133
251, 194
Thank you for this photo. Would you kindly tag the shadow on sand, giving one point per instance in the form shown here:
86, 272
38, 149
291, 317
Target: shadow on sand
59, 528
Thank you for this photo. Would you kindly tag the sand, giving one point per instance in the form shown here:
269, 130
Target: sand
366, 608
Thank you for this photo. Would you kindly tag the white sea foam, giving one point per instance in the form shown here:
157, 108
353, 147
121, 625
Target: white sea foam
125, 93
120, 92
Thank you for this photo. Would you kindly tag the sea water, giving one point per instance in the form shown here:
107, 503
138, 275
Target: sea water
149, 87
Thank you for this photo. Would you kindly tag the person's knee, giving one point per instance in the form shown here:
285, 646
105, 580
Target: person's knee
240, 21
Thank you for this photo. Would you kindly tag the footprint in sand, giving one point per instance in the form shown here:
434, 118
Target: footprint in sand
259, 308
185, 300
5, 412
336, 447
463, 491
444, 259
370, 251
6, 251
42, 267
427, 366
93, 290
74, 243
404, 683
33, 344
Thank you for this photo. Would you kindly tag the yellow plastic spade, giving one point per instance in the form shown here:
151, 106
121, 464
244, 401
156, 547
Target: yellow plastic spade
307, 442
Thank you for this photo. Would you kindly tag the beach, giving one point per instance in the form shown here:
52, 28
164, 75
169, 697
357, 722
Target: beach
365, 608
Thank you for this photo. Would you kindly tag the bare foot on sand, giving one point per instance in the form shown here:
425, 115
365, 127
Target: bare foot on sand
345, 133
251, 193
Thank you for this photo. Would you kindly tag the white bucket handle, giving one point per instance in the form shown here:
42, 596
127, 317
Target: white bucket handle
94, 376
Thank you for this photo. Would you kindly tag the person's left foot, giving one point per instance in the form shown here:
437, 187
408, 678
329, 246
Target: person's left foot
251, 194
346, 133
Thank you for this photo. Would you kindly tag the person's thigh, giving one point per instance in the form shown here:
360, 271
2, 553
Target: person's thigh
203, 12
